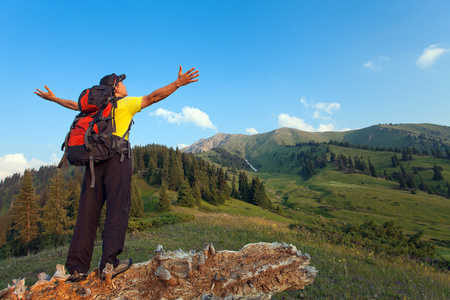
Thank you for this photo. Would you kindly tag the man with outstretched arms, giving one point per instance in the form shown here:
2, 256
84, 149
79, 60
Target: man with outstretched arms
112, 182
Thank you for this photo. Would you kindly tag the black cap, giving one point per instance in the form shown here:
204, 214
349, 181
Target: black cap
112, 80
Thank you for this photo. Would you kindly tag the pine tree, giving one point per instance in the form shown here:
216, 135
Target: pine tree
244, 187
437, 175
175, 171
74, 190
43, 198
404, 173
56, 220
5, 224
374, 171
138, 160
363, 166
206, 194
185, 197
215, 197
410, 182
438, 153
222, 187
154, 175
308, 168
395, 161
137, 206
350, 163
332, 157
193, 174
164, 200
26, 212
196, 194
422, 185
259, 196
234, 191
404, 154
163, 165
402, 181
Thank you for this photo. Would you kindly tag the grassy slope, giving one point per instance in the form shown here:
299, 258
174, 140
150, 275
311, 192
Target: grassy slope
343, 272
357, 197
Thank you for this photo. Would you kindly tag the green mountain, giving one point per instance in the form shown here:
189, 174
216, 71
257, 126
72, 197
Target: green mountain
421, 136
383, 173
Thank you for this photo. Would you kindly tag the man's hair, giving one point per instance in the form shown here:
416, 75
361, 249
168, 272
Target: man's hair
112, 80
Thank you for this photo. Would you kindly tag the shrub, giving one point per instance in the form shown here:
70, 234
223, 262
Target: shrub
387, 238
135, 224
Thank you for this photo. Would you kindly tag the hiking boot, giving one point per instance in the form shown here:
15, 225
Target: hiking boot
121, 267
77, 277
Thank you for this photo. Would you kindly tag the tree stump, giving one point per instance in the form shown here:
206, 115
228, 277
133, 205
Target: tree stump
257, 271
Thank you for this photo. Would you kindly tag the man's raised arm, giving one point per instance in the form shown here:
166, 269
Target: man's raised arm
162, 93
49, 95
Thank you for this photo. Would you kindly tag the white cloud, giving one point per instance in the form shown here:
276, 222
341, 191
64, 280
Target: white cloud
376, 64
251, 131
316, 115
429, 56
321, 107
303, 101
17, 163
320, 110
326, 127
286, 120
181, 146
55, 159
329, 108
188, 115
371, 66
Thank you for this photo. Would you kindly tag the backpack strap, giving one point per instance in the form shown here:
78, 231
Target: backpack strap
114, 104
63, 160
121, 149
88, 146
91, 167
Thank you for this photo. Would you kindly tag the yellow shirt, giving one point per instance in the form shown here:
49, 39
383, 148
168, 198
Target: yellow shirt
126, 108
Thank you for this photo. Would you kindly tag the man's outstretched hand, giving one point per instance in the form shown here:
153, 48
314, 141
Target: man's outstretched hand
49, 95
188, 77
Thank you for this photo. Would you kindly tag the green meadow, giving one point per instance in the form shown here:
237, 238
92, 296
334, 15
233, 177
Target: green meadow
343, 272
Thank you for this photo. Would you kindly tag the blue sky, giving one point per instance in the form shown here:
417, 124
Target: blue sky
310, 65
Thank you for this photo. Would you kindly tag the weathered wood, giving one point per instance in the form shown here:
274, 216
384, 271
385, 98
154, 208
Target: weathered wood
19, 288
257, 271
165, 276
107, 273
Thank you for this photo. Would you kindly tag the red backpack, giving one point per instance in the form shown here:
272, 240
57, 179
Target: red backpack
90, 139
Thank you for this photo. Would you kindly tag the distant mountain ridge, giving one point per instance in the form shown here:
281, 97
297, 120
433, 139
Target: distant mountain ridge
421, 136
